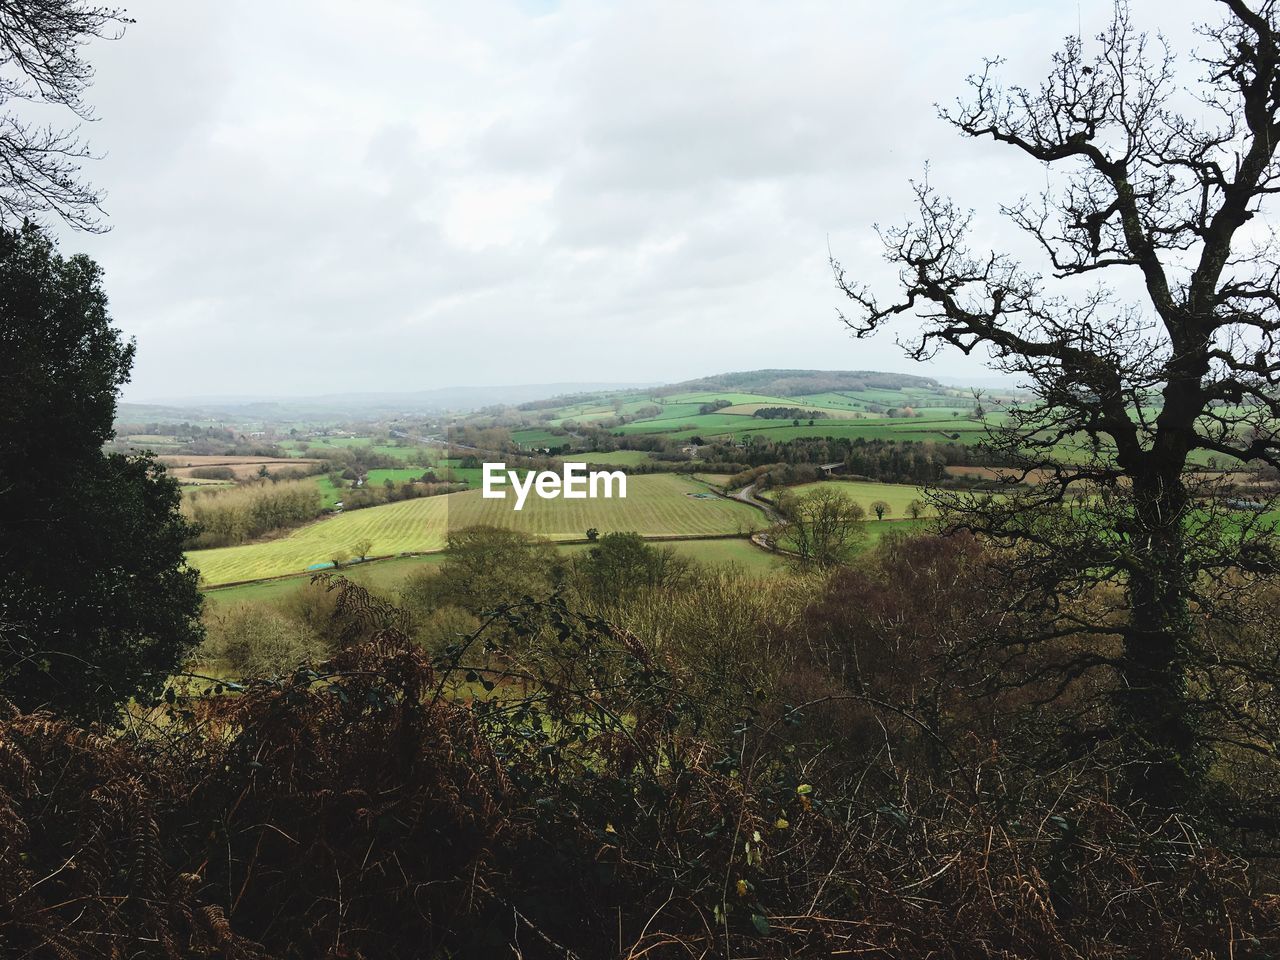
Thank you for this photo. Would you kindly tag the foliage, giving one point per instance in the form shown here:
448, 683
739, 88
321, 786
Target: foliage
226, 516
1134, 390
486, 567
96, 604
564, 800
621, 564
822, 527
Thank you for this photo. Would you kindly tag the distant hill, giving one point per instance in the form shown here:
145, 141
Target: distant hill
354, 406
794, 383
350, 405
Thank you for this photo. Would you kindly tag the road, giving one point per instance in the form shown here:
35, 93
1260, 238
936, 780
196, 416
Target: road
748, 496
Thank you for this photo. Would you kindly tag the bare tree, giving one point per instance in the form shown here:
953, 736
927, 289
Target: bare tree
821, 527
1131, 393
40, 63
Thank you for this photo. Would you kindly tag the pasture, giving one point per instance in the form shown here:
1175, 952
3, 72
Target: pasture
896, 495
382, 576
615, 458
387, 576
405, 450
656, 505
536, 438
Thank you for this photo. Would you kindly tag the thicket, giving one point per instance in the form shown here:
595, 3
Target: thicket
735, 770
376, 494
213, 473
227, 516
790, 413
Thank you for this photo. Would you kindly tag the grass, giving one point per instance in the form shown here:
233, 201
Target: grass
407, 451
616, 458
387, 576
912, 428
384, 576
897, 495
395, 475
329, 494
539, 438
656, 505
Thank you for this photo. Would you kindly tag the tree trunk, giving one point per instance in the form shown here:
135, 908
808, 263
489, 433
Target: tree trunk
1155, 716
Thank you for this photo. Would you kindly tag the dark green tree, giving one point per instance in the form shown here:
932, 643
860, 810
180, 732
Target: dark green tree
486, 567
622, 564
96, 602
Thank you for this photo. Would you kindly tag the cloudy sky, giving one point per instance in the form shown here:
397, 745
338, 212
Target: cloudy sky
400, 194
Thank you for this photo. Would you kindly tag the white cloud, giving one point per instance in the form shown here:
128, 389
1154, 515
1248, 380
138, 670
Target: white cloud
399, 195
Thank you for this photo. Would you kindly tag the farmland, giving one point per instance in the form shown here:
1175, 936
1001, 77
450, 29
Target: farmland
656, 505
839, 407
387, 576
615, 458
182, 466
399, 451
915, 410
896, 495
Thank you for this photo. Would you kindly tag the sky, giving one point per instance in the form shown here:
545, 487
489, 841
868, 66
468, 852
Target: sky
326, 197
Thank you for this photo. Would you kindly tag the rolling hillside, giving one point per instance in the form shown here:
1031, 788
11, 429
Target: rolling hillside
656, 505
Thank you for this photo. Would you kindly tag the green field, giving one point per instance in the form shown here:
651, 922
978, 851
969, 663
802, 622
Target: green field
539, 438
329, 494
616, 458
387, 576
897, 495
381, 575
405, 451
395, 475
850, 415
656, 505
937, 430
715, 479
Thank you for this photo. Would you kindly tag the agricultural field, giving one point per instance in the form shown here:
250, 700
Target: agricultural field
896, 495
330, 495
615, 458
383, 576
387, 576
395, 475
182, 465
943, 412
401, 451
708, 424
536, 438
659, 505
152, 439
940, 417
656, 505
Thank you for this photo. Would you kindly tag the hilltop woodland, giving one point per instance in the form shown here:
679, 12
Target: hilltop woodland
1044, 723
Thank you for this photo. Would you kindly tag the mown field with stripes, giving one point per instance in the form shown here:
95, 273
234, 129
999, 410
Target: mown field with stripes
656, 505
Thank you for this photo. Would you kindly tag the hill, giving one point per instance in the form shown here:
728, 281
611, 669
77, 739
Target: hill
342, 406
795, 383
